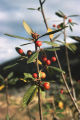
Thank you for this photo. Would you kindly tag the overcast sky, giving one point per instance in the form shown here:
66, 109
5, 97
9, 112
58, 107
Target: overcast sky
13, 12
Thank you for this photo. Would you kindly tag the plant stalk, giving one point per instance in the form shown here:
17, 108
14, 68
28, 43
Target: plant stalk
68, 63
7, 102
39, 96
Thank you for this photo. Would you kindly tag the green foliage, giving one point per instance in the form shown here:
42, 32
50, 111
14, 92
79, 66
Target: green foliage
29, 95
51, 43
60, 115
52, 32
7, 117
19, 37
77, 38
9, 66
32, 58
10, 75
1, 77
28, 75
60, 14
51, 49
56, 69
13, 81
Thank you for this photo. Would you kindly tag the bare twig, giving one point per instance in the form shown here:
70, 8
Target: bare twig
39, 97
68, 64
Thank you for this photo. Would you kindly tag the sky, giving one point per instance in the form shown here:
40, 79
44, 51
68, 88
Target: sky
12, 14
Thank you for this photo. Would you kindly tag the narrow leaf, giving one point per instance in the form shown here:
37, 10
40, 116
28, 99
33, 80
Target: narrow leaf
33, 57
56, 36
28, 75
25, 44
29, 95
31, 8
9, 66
51, 43
56, 69
52, 49
53, 32
77, 38
73, 15
1, 77
10, 75
19, 37
70, 28
27, 28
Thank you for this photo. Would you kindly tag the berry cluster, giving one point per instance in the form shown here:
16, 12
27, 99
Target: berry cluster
35, 35
59, 26
46, 85
48, 61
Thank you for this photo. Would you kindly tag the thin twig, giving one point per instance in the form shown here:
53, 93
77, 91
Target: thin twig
6, 81
68, 64
39, 96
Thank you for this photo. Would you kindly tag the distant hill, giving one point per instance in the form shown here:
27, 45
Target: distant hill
23, 67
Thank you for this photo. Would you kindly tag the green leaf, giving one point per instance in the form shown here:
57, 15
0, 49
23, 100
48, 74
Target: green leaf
29, 95
1, 77
59, 110
7, 117
9, 66
73, 15
60, 115
28, 75
25, 44
56, 37
10, 75
60, 14
27, 28
13, 81
51, 43
77, 38
33, 57
31, 8
70, 28
52, 32
62, 96
52, 49
19, 37
56, 69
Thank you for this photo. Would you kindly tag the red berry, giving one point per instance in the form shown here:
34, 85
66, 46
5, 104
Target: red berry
54, 25
38, 43
48, 62
20, 51
29, 52
53, 59
65, 17
43, 75
35, 75
78, 81
44, 59
61, 91
58, 26
46, 85
70, 20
